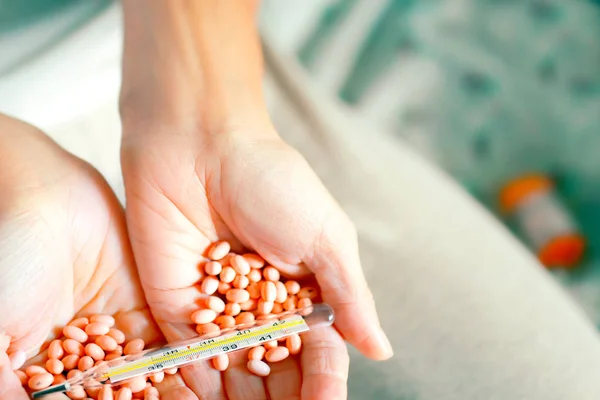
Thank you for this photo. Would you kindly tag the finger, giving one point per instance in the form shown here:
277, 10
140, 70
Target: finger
285, 380
325, 364
10, 385
4, 342
200, 377
336, 264
241, 384
173, 388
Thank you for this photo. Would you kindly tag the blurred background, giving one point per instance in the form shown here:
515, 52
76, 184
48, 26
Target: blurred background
488, 90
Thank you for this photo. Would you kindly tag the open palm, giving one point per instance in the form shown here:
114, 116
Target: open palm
184, 193
64, 250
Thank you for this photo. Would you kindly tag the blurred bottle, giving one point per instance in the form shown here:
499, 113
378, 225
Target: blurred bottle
543, 220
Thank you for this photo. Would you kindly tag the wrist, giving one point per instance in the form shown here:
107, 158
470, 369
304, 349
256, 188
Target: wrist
190, 63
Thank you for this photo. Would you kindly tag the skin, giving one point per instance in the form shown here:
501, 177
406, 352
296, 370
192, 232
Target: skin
64, 250
201, 163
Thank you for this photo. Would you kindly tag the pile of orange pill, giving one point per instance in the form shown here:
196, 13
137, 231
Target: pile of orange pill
85, 343
240, 289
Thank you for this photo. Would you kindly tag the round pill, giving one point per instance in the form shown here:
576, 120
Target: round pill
221, 362
254, 260
94, 351
54, 366
254, 290
23, 376
55, 350
271, 344
271, 274
111, 356
73, 347
33, 370
225, 261
85, 363
232, 309
107, 320
93, 392
137, 384
292, 287
223, 287
248, 305
58, 379
258, 367
240, 265
116, 334
264, 307
282, 293
241, 282
257, 353
237, 295
77, 394
75, 333
96, 329
124, 394
157, 377
134, 346
73, 373
293, 344
17, 359
277, 308
307, 292
213, 268
70, 361
225, 321
254, 275
203, 316
215, 304
40, 381
118, 350
268, 291
304, 303
106, 393
209, 285
80, 322
106, 343
244, 318
277, 354
219, 250
227, 275
206, 329
290, 303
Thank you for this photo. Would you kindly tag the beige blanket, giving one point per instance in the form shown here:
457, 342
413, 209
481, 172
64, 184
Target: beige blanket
471, 314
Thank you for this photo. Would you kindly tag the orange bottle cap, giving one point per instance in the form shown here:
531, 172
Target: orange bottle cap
518, 190
563, 251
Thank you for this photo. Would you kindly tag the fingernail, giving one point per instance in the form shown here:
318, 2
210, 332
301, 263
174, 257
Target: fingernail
17, 359
384, 345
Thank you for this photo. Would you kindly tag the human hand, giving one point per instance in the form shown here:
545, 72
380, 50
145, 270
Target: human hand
64, 250
186, 189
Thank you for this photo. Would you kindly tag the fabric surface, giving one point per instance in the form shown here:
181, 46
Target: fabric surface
470, 313
488, 90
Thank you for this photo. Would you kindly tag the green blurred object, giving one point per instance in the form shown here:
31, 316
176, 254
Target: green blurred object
16, 14
28, 28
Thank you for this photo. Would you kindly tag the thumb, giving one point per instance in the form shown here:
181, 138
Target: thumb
336, 264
